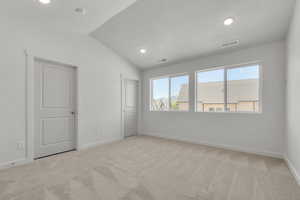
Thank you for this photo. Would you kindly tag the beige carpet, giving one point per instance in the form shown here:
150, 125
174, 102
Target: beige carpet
147, 168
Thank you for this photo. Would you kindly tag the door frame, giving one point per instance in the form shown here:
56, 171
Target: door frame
30, 117
122, 81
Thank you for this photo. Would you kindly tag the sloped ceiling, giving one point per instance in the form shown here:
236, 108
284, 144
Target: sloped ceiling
180, 29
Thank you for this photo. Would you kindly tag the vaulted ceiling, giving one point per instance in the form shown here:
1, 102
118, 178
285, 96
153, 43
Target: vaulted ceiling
181, 29
167, 29
60, 15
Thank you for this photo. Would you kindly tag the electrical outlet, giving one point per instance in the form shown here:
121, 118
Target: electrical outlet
21, 145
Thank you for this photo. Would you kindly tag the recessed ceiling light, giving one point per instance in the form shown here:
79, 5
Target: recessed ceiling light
81, 11
228, 21
45, 1
143, 51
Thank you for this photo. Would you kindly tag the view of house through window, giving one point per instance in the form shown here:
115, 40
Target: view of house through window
210, 91
170, 93
243, 89
238, 93
226, 89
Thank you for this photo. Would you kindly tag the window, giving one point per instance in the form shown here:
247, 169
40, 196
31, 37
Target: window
228, 89
170, 93
243, 89
160, 94
210, 90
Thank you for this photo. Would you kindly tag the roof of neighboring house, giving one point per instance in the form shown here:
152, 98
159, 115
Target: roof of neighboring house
213, 92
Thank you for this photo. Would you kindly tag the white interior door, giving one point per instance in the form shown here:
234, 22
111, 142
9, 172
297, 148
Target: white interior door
130, 107
55, 100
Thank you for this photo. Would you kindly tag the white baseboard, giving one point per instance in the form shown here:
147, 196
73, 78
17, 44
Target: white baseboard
97, 143
293, 170
24, 161
222, 146
15, 163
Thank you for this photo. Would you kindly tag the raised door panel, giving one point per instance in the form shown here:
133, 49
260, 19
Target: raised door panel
55, 107
131, 94
55, 130
131, 103
56, 88
131, 120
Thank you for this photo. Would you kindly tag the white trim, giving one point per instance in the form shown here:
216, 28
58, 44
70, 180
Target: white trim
29, 111
29, 101
169, 76
14, 163
20, 162
228, 66
222, 146
169, 100
192, 92
97, 143
293, 170
225, 91
122, 106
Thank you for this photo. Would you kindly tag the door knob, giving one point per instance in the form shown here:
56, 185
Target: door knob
73, 113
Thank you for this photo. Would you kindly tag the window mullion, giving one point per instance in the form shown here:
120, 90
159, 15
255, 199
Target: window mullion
169, 93
151, 95
225, 90
192, 92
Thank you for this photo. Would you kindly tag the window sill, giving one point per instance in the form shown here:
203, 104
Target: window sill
176, 111
231, 112
171, 111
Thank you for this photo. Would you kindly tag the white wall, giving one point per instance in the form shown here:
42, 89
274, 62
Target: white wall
293, 94
261, 133
99, 72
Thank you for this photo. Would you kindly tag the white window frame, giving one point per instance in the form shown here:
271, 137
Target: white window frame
226, 86
169, 100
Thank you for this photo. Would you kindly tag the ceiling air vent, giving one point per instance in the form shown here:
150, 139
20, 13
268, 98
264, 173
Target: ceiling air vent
163, 60
231, 44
